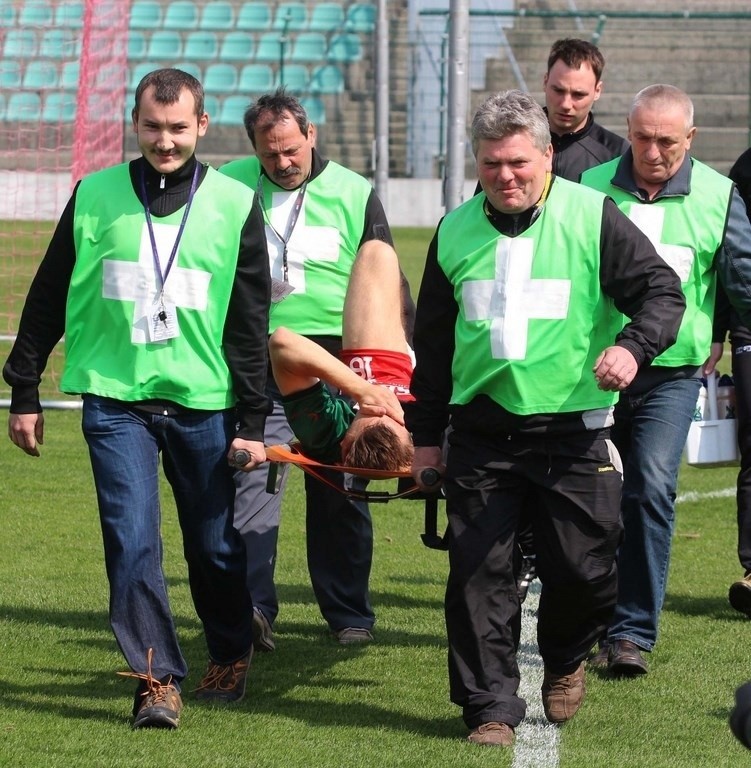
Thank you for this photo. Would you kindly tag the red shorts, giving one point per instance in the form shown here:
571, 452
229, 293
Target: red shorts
382, 367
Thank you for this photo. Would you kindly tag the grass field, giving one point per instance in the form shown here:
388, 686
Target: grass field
313, 703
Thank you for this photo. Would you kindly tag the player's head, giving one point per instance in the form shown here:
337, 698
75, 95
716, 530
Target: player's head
375, 442
572, 84
511, 142
168, 118
282, 136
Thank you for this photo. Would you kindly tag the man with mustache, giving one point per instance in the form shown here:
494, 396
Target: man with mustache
318, 216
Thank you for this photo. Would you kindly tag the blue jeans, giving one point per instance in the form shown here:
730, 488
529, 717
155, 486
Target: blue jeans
650, 433
124, 446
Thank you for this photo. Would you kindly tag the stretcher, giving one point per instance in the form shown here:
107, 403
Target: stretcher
406, 487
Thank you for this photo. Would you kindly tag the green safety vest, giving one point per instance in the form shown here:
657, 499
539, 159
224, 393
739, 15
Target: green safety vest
114, 285
686, 231
322, 246
532, 315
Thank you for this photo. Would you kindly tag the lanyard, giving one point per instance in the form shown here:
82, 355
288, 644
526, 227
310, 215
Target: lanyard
149, 224
291, 221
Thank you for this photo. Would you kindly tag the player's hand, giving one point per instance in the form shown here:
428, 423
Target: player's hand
256, 454
615, 369
381, 401
26, 430
715, 355
426, 458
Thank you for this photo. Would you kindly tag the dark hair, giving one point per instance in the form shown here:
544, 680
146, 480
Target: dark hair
574, 52
168, 85
379, 447
269, 109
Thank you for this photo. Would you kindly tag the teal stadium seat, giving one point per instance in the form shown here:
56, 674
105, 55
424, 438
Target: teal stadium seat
253, 17
139, 71
191, 68
326, 17
201, 45
294, 77
145, 14
20, 44
69, 14
2, 106
165, 45
212, 106
256, 78
36, 13
59, 107
137, 44
24, 106
11, 75
345, 48
361, 17
60, 44
270, 47
309, 47
237, 46
220, 78
315, 109
41, 75
327, 78
182, 15
291, 17
69, 75
218, 15
233, 109
7, 14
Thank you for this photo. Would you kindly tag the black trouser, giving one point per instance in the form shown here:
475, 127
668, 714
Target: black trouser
741, 361
571, 486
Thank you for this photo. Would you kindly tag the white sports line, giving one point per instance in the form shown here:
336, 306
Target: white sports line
537, 740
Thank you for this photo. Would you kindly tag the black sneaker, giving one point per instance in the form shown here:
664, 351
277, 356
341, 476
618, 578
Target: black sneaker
263, 635
739, 595
224, 683
157, 703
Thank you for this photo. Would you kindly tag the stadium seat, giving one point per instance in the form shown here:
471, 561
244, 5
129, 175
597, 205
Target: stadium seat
327, 78
254, 17
40, 75
24, 106
212, 106
201, 45
256, 78
60, 44
191, 68
233, 109
69, 75
361, 17
217, 15
182, 15
345, 48
220, 78
69, 14
10, 74
35, 13
145, 14
139, 71
137, 44
20, 44
270, 47
294, 77
309, 46
7, 15
109, 77
2, 107
315, 109
237, 46
59, 107
326, 17
291, 17
165, 45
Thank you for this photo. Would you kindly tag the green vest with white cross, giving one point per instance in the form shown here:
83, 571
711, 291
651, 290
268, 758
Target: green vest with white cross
110, 348
321, 248
687, 231
532, 315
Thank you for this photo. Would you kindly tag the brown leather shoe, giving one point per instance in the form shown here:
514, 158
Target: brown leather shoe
599, 659
562, 695
625, 659
739, 595
493, 735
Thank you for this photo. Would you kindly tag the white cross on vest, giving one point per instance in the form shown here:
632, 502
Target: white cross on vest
650, 219
513, 298
136, 281
311, 243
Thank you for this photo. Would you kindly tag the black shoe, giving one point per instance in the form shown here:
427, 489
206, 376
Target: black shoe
526, 575
625, 659
263, 635
739, 595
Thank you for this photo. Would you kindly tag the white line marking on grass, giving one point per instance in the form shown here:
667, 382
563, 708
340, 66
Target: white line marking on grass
722, 493
536, 739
